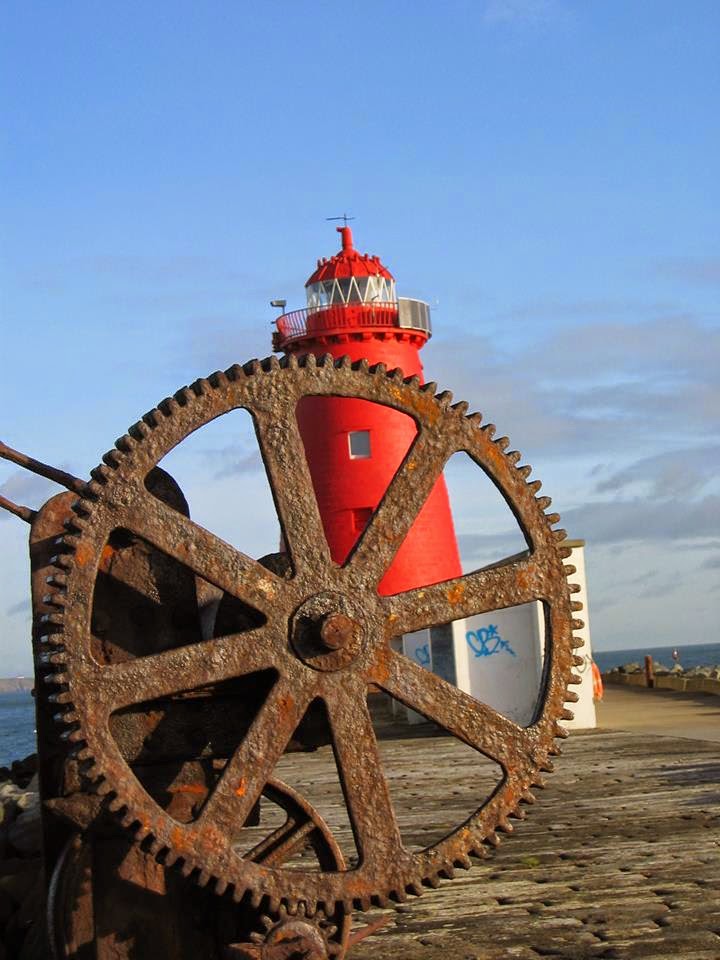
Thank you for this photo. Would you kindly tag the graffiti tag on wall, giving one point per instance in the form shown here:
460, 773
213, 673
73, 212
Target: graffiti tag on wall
422, 655
486, 641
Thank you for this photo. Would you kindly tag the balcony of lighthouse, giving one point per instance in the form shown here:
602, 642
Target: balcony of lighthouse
343, 312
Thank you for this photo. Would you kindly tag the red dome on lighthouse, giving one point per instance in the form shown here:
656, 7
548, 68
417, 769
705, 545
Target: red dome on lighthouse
348, 263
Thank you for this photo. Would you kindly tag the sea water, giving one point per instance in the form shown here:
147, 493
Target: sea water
17, 726
692, 655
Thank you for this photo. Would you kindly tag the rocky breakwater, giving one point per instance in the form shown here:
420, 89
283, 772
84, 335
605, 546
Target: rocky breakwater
22, 934
693, 680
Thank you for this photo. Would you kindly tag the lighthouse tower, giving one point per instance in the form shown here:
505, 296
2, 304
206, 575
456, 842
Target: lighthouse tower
354, 447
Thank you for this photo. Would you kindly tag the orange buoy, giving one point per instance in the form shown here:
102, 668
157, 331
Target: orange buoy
597, 682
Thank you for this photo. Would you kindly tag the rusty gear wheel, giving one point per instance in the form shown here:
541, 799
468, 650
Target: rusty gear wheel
363, 623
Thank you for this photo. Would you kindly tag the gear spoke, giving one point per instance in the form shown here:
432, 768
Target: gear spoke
372, 815
510, 583
457, 712
252, 764
203, 552
162, 674
399, 508
282, 843
283, 454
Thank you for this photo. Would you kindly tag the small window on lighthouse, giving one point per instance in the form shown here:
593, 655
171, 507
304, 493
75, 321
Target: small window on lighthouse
359, 444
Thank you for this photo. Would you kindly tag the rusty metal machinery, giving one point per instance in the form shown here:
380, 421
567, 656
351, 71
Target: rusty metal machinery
171, 720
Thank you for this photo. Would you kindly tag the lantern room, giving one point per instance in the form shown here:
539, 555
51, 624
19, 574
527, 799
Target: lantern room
351, 293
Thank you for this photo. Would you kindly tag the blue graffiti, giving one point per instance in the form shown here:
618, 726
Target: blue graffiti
486, 641
422, 655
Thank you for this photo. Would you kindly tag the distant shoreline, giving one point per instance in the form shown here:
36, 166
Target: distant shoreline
16, 684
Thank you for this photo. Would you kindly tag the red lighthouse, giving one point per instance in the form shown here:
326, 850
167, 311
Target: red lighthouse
353, 446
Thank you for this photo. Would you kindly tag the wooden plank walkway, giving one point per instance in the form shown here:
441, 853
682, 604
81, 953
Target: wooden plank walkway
619, 859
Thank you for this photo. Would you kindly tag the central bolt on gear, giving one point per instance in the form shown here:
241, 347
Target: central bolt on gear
321, 629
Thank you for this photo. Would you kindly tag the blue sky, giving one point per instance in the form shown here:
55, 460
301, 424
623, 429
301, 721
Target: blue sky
543, 172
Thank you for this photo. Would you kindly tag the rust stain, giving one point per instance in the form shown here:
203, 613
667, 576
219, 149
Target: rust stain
241, 788
195, 788
456, 593
83, 554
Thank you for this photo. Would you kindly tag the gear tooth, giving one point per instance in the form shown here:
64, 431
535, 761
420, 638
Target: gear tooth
82, 508
502, 442
103, 789
577, 624
255, 899
152, 418
461, 407
380, 900
540, 781
547, 766
576, 606
577, 643
270, 364
432, 880
273, 904
566, 714
575, 679
571, 696
116, 805
489, 430
169, 858
101, 473
504, 825
413, 381
528, 797
125, 444
396, 374
202, 386
447, 872
463, 862
362, 904
217, 379
544, 503
577, 661
513, 456
569, 569
429, 387
379, 368
112, 460
534, 486
203, 878
343, 363
362, 365
552, 518
183, 396
56, 580
518, 814
325, 360
168, 407
233, 373
310, 907
415, 889
561, 732
559, 535
220, 887
475, 419
524, 471
444, 398
138, 431
492, 839
479, 852
62, 560
93, 490
574, 587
